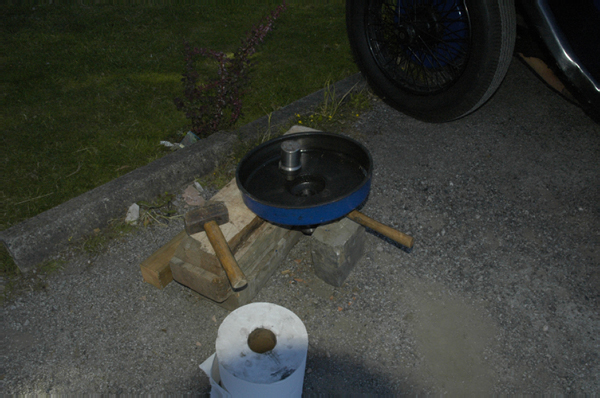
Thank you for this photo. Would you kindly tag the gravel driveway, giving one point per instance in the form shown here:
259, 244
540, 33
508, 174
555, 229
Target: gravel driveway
500, 294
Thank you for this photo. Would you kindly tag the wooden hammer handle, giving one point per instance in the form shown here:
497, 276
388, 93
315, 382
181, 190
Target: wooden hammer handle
396, 236
232, 269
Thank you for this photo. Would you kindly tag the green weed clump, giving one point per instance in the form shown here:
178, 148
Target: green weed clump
159, 210
216, 104
337, 111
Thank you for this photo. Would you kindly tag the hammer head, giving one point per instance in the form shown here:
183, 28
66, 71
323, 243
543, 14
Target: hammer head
211, 211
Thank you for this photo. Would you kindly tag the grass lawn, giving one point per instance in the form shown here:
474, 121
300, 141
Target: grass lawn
87, 91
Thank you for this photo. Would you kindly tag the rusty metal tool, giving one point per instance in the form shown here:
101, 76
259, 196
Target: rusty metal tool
207, 219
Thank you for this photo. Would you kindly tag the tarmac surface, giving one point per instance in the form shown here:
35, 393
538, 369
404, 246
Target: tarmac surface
500, 294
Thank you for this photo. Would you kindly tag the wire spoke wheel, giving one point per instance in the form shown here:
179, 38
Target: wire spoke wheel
436, 60
421, 47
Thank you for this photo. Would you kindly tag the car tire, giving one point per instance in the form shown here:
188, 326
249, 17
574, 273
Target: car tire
435, 60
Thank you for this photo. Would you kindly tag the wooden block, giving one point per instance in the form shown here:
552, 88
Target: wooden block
200, 271
259, 259
193, 267
335, 249
258, 248
155, 269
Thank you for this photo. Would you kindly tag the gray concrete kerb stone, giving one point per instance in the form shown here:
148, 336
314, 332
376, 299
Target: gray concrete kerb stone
335, 250
37, 239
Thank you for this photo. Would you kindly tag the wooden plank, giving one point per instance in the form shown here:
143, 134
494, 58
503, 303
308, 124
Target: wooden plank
200, 271
259, 259
155, 269
242, 222
244, 234
258, 256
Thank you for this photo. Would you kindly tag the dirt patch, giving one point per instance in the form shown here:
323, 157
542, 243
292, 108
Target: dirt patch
457, 340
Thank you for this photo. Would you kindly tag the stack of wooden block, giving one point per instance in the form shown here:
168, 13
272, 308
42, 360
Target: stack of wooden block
259, 248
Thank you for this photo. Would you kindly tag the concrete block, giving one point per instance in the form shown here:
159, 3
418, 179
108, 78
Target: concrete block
335, 250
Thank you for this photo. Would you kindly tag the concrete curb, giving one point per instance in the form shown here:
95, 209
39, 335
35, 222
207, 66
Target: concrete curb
37, 239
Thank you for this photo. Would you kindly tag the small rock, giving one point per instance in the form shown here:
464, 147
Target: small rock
198, 186
133, 214
171, 145
189, 139
192, 196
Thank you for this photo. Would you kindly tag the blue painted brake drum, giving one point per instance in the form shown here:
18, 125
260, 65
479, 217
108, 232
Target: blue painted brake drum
305, 179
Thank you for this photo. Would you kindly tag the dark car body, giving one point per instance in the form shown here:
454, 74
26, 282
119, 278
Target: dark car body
570, 30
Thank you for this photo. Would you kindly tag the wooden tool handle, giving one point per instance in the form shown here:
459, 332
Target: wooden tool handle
396, 236
230, 265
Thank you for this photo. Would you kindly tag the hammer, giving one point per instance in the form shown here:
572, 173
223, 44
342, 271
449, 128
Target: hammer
208, 218
395, 235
